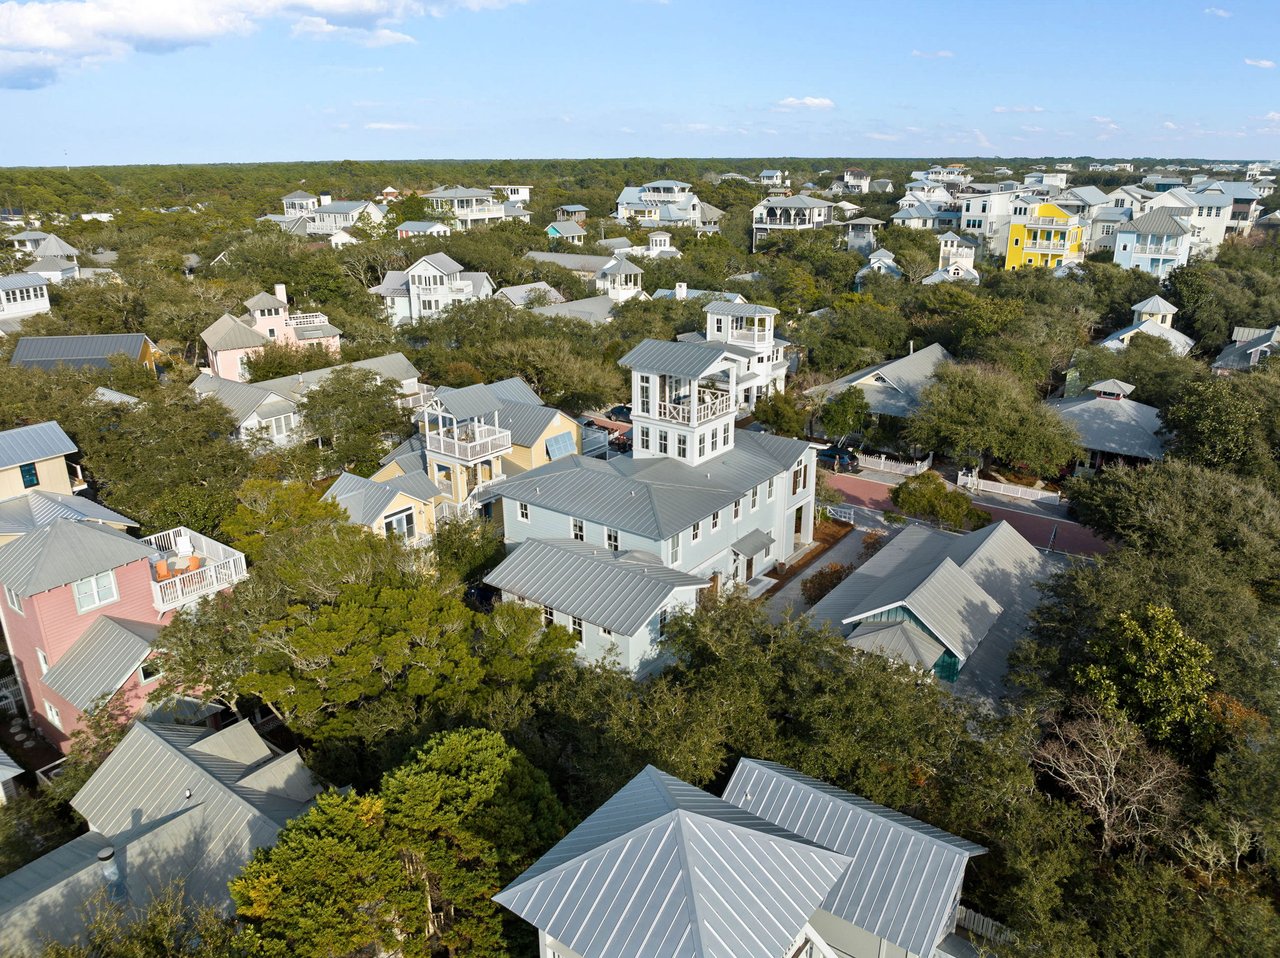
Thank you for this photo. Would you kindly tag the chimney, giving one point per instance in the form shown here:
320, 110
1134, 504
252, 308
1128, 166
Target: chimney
326, 198
281, 294
682, 290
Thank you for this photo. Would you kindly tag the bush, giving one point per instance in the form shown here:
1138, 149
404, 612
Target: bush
824, 580
927, 497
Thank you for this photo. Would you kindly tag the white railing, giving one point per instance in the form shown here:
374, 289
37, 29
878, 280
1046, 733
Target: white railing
76, 475
753, 336
970, 481
10, 695
221, 567
982, 926
1040, 246
673, 412
478, 442
709, 408
1047, 221
306, 319
1150, 249
886, 464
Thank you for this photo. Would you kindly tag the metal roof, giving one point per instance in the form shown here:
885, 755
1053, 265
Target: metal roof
1238, 355
366, 501
421, 226
42, 440
576, 262
26, 513
726, 308
657, 497
1119, 426
22, 281
242, 399
440, 261
393, 366
892, 388
519, 295
66, 551
228, 332
901, 641
299, 195
265, 301
683, 359
905, 875
621, 266
594, 309
103, 394
566, 228
753, 543
664, 870
101, 660
469, 402
54, 246
621, 591
46, 351
525, 421
1157, 305
1158, 222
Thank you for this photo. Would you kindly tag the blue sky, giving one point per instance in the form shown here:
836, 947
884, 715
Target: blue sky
167, 81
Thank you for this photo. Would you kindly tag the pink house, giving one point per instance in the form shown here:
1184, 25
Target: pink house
83, 605
231, 340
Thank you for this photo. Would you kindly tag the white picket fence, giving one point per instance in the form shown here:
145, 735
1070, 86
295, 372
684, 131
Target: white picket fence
982, 926
897, 466
971, 482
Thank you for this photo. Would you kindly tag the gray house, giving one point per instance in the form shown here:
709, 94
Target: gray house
782, 865
172, 803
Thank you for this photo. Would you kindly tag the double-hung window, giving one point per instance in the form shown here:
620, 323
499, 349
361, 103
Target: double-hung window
548, 616
95, 591
674, 547
696, 534
737, 509
14, 600
769, 494
524, 511
579, 531
577, 628
611, 539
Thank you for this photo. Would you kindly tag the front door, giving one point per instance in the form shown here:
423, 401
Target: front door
751, 567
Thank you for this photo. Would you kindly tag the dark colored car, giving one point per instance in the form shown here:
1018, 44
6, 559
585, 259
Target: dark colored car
836, 458
619, 414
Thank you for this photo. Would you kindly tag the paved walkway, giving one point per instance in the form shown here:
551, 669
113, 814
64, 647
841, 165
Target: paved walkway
1044, 525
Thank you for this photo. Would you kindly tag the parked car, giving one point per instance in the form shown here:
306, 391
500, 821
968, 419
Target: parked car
837, 459
619, 414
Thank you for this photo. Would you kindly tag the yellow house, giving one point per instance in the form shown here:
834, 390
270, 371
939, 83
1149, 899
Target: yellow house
476, 435
402, 506
1042, 234
38, 484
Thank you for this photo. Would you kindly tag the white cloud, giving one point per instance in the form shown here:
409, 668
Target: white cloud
318, 28
981, 139
1031, 129
1169, 126
805, 103
1264, 64
932, 54
386, 125
884, 137
1217, 12
41, 38
1018, 109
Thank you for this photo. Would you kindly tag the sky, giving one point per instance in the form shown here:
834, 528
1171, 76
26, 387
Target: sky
89, 82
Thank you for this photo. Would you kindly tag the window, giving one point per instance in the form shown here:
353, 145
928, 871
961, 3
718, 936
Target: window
644, 437
29, 475
44, 661
1016, 241
1108, 229
769, 492
755, 497
644, 394
54, 715
611, 539
715, 439
696, 534
796, 480
702, 444
715, 521
577, 628
524, 511
719, 324
14, 600
399, 524
682, 446
95, 591
662, 623
605, 630
737, 509
149, 671
662, 441
548, 616
673, 545
724, 436
579, 531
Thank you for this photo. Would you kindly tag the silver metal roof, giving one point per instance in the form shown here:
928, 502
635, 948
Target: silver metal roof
1155, 304
905, 875
26, 513
577, 262
674, 358
101, 660
664, 870
242, 399
469, 402
66, 551
440, 261
901, 641
365, 501
519, 295
725, 308
753, 543
892, 388
47, 351
621, 591
22, 281
42, 440
228, 332
1119, 426
594, 309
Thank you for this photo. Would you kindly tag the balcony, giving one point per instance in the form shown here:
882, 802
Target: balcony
190, 567
752, 337
306, 319
1061, 222
470, 442
1155, 249
711, 405
76, 476
1043, 246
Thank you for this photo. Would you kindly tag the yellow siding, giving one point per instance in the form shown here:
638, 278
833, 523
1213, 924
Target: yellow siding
524, 458
51, 472
1018, 256
424, 515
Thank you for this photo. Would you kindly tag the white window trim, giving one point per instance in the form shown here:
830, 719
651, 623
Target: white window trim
522, 511
97, 601
696, 532
53, 715
43, 660
14, 600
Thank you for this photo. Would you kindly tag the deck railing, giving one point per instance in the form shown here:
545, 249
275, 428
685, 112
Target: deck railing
221, 567
477, 442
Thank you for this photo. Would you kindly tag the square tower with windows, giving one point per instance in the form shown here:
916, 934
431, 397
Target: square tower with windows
683, 400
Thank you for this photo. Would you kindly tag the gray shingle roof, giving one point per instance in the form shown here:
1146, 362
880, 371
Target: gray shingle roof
654, 498
626, 588
101, 660
684, 359
42, 440
47, 351
905, 875
66, 551
664, 870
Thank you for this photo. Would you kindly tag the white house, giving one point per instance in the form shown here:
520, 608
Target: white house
880, 261
435, 282
747, 333
329, 215
521, 194
789, 213
412, 228
22, 295
852, 181
470, 207
666, 203
1152, 317
570, 231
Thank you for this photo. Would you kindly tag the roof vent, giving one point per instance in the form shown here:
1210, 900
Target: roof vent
107, 863
708, 475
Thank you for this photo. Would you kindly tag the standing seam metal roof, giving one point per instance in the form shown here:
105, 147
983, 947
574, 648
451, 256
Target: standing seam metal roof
42, 440
66, 551
101, 660
675, 358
